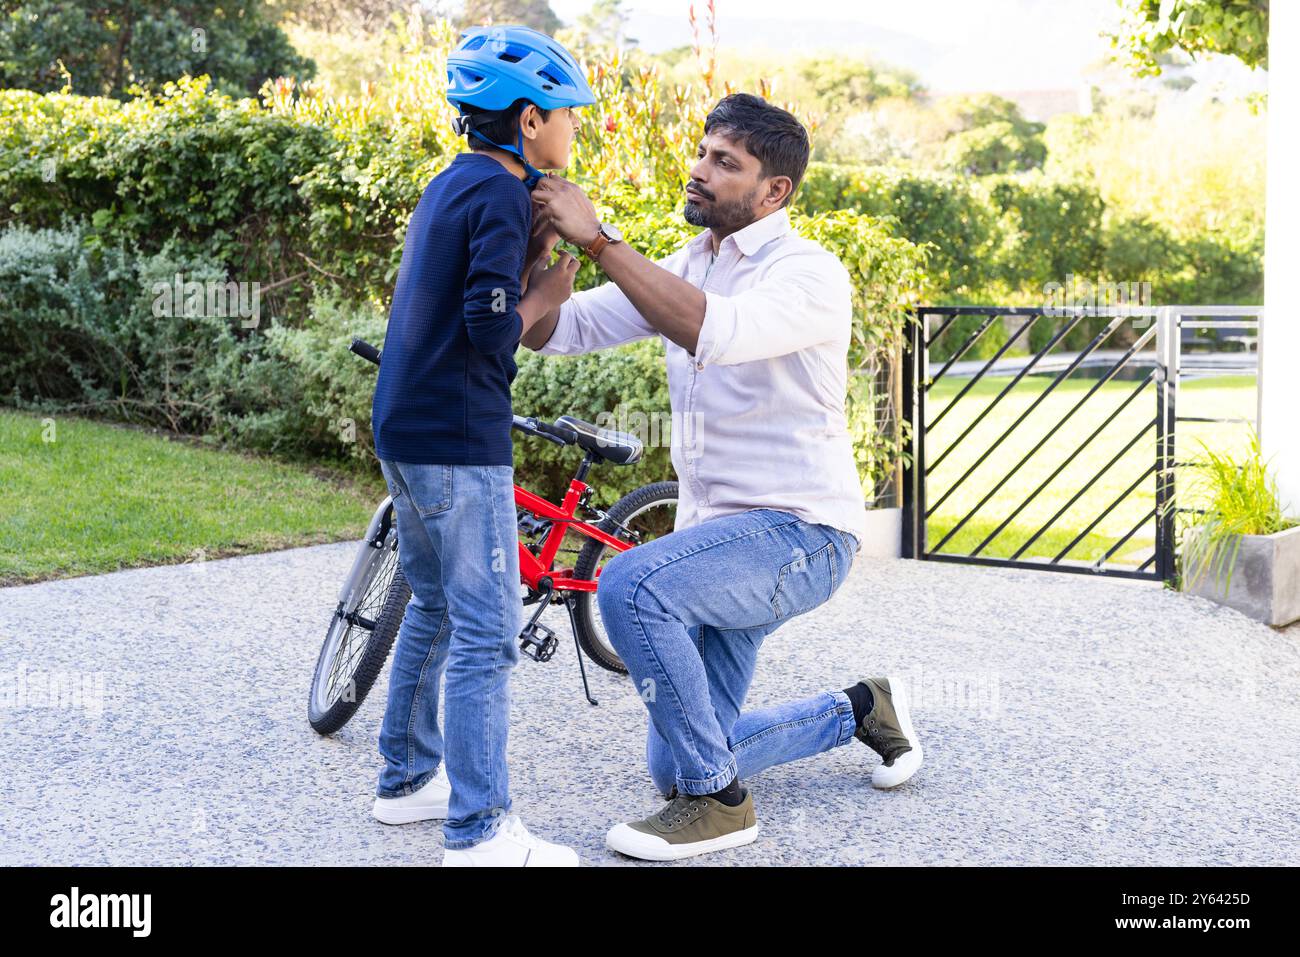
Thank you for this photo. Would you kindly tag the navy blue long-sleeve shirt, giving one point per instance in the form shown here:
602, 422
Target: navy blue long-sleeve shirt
443, 393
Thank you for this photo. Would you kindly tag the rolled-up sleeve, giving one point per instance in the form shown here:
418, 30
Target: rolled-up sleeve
601, 318
594, 319
802, 301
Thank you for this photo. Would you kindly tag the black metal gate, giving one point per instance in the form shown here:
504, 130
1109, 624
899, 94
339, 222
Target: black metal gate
1144, 412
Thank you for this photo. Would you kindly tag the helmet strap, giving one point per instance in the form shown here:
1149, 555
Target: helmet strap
465, 124
534, 174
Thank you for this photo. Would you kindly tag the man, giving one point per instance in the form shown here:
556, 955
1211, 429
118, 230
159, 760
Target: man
756, 323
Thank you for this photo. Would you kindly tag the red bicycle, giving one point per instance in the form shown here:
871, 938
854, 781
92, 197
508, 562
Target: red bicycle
372, 601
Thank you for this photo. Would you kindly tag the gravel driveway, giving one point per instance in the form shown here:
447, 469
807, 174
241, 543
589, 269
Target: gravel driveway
1066, 719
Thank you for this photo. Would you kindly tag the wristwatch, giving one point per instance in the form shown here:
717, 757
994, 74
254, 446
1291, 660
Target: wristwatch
606, 235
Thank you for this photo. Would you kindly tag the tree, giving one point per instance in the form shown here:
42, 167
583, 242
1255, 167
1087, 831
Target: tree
993, 148
988, 134
354, 17
843, 84
1152, 30
605, 25
531, 13
842, 92
101, 49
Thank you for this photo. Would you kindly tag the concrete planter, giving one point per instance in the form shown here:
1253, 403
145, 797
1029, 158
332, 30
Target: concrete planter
1265, 582
884, 534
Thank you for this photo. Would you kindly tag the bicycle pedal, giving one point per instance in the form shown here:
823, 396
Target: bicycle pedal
538, 642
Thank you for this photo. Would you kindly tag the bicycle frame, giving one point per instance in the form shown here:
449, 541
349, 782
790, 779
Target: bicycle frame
547, 585
534, 568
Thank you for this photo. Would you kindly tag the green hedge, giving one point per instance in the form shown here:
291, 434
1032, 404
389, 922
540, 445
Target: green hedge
104, 199
290, 204
996, 240
939, 210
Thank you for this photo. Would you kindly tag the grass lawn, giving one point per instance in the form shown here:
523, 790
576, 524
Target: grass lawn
101, 497
1220, 396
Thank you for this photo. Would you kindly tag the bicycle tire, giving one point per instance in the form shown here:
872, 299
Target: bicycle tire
588, 632
370, 663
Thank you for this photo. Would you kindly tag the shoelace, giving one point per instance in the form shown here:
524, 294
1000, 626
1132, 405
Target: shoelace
888, 747
513, 826
678, 810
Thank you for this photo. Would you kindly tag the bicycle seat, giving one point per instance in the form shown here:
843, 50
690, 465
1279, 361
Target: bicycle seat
617, 447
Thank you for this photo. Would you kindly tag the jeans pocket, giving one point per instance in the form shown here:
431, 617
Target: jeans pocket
394, 486
428, 488
851, 549
805, 583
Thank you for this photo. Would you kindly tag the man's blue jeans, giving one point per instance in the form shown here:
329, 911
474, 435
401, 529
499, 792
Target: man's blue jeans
459, 548
687, 613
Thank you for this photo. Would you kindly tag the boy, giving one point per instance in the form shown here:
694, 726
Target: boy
473, 280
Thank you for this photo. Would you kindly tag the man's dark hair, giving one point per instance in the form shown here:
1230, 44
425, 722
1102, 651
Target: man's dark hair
771, 134
500, 126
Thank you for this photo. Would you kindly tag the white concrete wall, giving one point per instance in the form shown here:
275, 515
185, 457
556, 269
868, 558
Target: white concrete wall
1279, 400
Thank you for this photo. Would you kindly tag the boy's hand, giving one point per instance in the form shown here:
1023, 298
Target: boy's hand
549, 286
544, 235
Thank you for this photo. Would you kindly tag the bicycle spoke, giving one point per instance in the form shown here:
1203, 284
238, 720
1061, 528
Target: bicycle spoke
353, 644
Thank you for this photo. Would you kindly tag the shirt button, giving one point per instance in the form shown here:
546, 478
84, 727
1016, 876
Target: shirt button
699, 365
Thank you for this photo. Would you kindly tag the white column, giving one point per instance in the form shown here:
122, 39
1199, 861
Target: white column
1279, 342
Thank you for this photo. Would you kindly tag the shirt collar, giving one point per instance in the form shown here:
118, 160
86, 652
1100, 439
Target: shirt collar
754, 236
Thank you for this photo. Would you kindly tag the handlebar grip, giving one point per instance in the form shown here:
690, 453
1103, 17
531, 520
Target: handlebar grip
552, 433
567, 436
365, 350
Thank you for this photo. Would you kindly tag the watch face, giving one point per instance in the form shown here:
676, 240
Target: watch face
611, 233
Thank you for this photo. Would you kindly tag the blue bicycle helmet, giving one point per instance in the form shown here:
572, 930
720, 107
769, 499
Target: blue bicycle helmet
495, 66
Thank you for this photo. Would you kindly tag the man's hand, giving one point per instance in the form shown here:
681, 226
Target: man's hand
567, 209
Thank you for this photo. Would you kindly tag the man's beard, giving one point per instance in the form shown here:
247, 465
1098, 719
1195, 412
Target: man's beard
725, 218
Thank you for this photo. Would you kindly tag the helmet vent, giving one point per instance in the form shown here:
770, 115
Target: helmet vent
509, 57
547, 76
475, 43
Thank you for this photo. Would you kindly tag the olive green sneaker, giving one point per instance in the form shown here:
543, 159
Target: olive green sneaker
687, 825
888, 731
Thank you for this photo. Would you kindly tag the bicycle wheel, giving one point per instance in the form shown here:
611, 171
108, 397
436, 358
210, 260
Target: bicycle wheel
359, 639
639, 516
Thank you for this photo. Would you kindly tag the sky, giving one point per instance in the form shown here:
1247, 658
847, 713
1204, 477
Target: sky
954, 45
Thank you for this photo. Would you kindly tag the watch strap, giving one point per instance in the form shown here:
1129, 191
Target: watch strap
597, 246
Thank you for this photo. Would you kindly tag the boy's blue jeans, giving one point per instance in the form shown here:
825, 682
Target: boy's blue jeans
687, 613
458, 544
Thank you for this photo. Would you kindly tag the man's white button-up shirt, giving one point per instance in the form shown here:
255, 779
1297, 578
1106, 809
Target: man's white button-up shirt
758, 410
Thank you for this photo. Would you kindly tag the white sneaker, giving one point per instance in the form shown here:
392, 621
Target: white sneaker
511, 846
427, 804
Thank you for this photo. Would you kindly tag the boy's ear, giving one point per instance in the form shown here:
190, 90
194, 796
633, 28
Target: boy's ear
530, 120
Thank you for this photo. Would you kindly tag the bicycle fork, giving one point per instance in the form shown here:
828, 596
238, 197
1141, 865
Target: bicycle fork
376, 540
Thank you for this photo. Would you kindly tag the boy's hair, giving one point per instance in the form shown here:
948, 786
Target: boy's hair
500, 126
773, 135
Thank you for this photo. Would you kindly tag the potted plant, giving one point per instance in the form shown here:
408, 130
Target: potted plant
1241, 550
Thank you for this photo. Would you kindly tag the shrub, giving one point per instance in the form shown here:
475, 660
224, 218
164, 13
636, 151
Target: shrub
335, 386
939, 210
56, 317
87, 338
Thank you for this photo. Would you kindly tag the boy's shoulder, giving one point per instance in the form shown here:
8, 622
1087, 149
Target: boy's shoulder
471, 175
